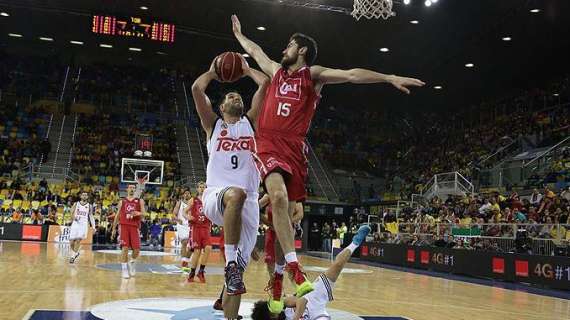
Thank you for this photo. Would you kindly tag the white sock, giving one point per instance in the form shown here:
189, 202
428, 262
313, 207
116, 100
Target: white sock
279, 268
231, 253
124, 267
352, 247
291, 257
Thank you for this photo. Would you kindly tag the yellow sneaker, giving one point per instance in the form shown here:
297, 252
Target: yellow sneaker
275, 307
304, 288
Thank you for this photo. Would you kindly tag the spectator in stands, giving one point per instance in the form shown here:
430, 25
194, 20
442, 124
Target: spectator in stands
315, 237
17, 216
155, 231
326, 236
37, 217
535, 198
341, 232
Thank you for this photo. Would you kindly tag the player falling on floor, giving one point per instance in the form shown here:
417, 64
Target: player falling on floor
129, 218
313, 306
81, 217
180, 214
231, 195
289, 105
201, 243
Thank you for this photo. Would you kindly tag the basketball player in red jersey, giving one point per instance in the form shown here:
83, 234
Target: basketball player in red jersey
129, 217
289, 106
201, 228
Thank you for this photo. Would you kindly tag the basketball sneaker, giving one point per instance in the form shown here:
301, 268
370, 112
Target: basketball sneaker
275, 306
277, 286
190, 278
73, 258
361, 234
303, 286
202, 277
234, 279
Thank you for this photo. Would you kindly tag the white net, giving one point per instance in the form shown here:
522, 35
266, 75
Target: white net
373, 9
141, 182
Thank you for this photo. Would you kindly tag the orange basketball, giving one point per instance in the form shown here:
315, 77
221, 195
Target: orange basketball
228, 66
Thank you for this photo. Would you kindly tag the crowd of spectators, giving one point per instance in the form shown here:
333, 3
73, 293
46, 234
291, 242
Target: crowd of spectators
407, 151
102, 140
478, 221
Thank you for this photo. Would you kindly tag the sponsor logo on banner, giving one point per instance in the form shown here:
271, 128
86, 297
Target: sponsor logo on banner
60, 234
424, 257
411, 255
171, 240
521, 268
499, 265
32, 232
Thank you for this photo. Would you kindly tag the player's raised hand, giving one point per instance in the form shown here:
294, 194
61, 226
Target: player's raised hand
212, 69
236, 25
401, 83
245, 67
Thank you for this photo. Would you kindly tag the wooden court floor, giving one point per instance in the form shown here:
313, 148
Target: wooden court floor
36, 276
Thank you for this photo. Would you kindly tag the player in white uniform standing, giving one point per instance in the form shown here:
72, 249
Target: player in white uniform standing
313, 305
181, 215
232, 178
81, 216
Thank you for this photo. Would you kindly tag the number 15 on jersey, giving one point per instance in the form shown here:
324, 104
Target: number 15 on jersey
283, 109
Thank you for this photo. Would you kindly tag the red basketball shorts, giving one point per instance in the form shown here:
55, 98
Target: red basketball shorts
286, 155
130, 236
201, 238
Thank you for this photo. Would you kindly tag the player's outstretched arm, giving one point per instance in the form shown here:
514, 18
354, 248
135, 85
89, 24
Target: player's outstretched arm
268, 66
201, 100
330, 76
300, 308
262, 82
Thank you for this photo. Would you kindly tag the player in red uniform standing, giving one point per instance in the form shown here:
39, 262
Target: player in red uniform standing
129, 218
289, 106
201, 243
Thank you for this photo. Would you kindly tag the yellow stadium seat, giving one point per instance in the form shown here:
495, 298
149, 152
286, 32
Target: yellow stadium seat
6, 204
26, 205
106, 203
44, 203
116, 180
17, 204
27, 220
2, 196
95, 178
35, 205
109, 179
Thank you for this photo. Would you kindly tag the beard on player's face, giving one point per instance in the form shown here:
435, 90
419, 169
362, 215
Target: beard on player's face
289, 60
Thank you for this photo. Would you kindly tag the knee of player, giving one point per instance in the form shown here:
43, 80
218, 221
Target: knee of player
236, 195
278, 198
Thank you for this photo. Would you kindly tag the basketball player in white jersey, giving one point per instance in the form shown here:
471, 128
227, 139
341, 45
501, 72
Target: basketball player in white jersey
313, 305
180, 215
81, 216
232, 178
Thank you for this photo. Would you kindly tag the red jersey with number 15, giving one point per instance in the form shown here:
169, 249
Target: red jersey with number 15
197, 212
290, 103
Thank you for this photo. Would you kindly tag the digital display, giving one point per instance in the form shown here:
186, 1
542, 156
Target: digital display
133, 27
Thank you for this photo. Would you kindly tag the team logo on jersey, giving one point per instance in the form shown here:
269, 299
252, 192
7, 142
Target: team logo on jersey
230, 144
224, 133
289, 88
130, 207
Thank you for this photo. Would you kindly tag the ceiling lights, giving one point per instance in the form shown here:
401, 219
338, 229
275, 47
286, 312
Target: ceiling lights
4, 14
384, 49
76, 42
14, 35
414, 22
469, 65
507, 39
135, 49
46, 39
261, 28
103, 45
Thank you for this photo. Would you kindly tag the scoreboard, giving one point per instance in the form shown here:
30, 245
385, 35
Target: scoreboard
133, 27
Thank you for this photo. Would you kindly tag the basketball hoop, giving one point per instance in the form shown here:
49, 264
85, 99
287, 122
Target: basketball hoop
373, 9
